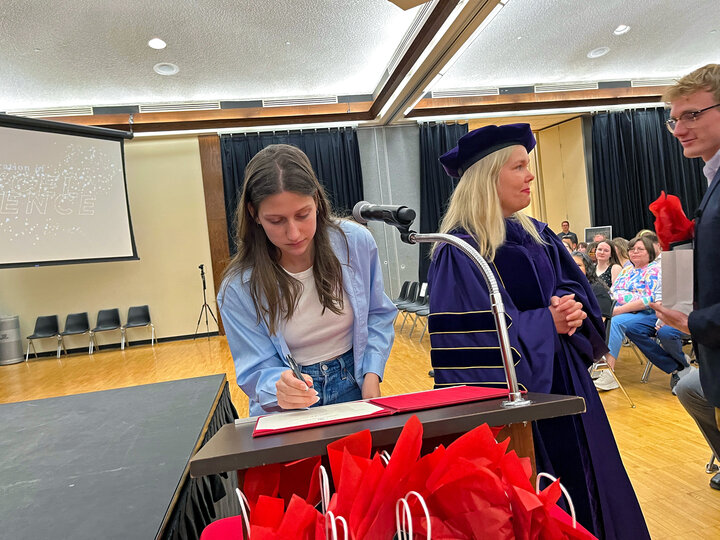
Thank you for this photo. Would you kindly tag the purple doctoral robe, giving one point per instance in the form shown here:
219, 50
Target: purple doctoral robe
580, 449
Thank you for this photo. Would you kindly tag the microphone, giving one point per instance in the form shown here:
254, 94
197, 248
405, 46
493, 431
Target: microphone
398, 216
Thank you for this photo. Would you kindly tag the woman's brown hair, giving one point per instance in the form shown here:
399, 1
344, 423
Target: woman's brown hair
647, 243
275, 169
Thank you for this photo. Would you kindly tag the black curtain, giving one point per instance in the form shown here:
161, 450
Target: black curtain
635, 157
333, 153
435, 185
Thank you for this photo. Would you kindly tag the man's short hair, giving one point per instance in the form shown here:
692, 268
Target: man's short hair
564, 222
704, 79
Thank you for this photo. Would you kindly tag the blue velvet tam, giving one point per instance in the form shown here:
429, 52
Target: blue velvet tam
482, 142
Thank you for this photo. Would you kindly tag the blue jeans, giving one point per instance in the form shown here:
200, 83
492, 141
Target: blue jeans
669, 355
618, 325
334, 380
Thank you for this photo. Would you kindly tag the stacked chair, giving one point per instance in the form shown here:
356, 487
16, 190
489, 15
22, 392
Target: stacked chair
413, 300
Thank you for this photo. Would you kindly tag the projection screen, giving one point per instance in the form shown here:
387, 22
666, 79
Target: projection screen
63, 195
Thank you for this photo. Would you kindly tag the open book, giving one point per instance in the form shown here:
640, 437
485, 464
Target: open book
384, 406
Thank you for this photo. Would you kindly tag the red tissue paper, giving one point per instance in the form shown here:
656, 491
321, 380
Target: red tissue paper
671, 223
474, 488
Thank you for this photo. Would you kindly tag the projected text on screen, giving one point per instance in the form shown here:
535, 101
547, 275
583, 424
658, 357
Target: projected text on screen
62, 197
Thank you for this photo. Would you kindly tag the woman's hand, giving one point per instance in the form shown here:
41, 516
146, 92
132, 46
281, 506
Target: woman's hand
567, 314
293, 393
371, 386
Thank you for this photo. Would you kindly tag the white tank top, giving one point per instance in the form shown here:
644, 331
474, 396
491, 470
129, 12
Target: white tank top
311, 335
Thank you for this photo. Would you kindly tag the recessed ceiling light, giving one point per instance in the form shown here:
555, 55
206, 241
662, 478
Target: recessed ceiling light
165, 68
597, 53
622, 29
157, 43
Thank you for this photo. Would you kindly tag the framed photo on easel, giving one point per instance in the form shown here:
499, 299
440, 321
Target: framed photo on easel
591, 232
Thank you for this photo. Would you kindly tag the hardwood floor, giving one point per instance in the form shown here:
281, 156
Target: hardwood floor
662, 449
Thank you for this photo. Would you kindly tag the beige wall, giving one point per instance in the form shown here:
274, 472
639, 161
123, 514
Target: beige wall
168, 213
563, 176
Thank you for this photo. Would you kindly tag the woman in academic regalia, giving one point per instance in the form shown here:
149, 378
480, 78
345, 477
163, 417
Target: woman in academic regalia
555, 327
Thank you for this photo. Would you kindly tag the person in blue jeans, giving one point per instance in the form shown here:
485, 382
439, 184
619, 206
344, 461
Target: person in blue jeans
634, 289
304, 285
668, 354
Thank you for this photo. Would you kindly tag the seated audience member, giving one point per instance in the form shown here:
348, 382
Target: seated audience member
568, 244
567, 233
633, 290
582, 247
621, 249
601, 292
591, 247
656, 243
607, 264
668, 355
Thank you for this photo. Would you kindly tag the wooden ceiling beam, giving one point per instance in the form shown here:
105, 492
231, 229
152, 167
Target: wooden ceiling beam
530, 102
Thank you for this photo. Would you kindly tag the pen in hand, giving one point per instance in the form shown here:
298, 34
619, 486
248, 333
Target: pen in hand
296, 369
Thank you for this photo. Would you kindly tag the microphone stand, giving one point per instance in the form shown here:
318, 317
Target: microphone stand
515, 398
205, 307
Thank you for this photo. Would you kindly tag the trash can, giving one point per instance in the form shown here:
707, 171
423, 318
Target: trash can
10, 344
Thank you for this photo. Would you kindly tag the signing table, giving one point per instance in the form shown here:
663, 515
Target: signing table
234, 448
113, 464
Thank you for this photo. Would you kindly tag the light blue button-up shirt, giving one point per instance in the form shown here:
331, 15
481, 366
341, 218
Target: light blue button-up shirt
259, 357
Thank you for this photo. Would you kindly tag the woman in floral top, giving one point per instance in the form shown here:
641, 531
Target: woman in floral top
633, 290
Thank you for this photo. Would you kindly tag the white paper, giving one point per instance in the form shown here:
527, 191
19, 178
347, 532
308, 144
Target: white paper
328, 413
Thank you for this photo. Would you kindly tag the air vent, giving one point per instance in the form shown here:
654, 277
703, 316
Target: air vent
652, 82
409, 36
466, 92
294, 102
170, 107
565, 87
59, 111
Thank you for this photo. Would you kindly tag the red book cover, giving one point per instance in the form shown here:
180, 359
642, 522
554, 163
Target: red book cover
384, 406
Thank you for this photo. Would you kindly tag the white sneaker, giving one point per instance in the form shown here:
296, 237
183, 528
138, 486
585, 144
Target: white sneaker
606, 381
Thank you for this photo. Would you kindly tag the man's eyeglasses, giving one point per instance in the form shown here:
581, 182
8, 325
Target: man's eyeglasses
688, 118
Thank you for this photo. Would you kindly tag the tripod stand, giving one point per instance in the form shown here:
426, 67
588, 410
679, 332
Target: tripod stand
205, 307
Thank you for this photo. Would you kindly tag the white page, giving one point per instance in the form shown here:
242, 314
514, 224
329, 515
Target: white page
328, 413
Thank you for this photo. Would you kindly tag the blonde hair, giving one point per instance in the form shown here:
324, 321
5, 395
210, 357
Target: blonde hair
475, 206
704, 79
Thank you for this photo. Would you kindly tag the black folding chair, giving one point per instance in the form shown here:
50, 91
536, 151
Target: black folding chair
138, 316
77, 324
46, 326
107, 320
602, 365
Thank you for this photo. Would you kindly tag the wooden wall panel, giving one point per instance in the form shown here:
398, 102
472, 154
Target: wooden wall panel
212, 177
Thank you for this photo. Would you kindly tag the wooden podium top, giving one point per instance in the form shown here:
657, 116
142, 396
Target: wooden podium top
233, 446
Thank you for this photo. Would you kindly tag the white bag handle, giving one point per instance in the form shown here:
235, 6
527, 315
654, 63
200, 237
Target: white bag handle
407, 517
324, 489
331, 527
565, 492
245, 510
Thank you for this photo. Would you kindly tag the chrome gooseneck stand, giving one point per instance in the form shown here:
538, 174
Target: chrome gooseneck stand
402, 218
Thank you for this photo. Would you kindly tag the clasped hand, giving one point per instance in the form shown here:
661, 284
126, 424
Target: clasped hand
567, 314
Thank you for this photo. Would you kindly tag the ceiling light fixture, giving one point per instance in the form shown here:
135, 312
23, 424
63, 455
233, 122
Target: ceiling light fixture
597, 53
622, 29
157, 43
165, 68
